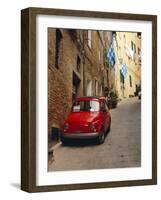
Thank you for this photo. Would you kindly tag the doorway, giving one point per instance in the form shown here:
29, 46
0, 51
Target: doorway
75, 86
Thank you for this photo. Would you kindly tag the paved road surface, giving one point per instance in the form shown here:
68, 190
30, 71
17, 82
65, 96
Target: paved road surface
122, 147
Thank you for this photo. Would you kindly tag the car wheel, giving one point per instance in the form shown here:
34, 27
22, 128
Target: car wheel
101, 138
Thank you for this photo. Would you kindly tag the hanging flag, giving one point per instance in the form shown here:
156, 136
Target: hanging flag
123, 70
111, 56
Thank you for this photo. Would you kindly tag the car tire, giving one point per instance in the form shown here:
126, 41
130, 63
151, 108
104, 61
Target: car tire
101, 138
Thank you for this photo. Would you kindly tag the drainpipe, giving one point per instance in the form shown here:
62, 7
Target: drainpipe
84, 69
83, 53
84, 89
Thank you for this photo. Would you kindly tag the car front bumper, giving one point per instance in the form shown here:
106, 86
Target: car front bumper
80, 135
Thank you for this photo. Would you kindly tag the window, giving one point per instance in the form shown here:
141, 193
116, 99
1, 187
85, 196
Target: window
89, 39
133, 46
124, 38
130, 80
73, 33
121, 77
139, 55
78, 63
86, 106
58, 39
139, 35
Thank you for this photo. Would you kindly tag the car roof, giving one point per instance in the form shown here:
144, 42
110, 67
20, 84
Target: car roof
89, 98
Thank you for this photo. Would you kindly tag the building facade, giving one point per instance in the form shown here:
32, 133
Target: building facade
128, 55
76, 67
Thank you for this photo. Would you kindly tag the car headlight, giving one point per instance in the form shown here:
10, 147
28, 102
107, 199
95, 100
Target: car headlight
66, 126
93, 127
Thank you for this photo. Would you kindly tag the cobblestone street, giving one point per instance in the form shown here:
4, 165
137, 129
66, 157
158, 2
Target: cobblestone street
122, 146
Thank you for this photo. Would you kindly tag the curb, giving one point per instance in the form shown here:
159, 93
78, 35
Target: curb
54, 147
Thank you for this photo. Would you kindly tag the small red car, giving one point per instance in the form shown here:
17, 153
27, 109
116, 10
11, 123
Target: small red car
89, 118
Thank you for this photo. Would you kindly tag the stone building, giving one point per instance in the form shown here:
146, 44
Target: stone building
96, 71
128, 53
76, 67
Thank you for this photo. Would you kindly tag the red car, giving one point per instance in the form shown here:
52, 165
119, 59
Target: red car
89, 118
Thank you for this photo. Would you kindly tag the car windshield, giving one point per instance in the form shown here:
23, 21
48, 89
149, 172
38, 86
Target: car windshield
86, 106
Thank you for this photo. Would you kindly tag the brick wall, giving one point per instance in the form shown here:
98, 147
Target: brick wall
60, 78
